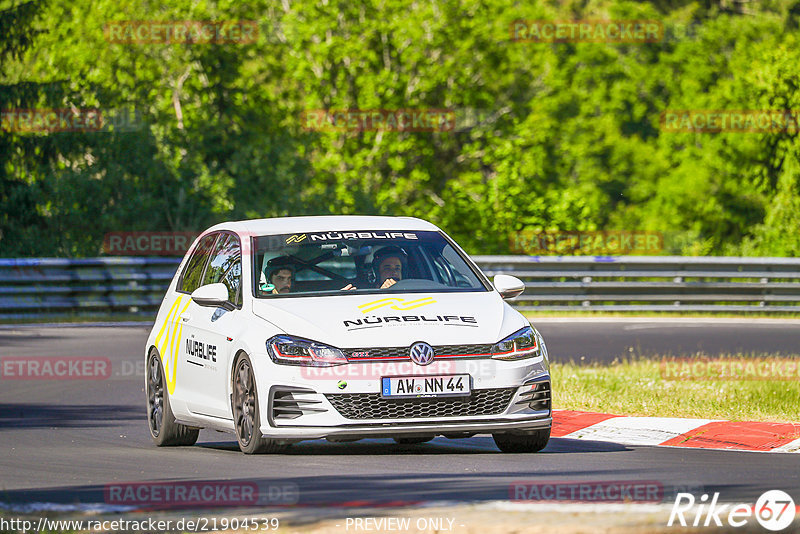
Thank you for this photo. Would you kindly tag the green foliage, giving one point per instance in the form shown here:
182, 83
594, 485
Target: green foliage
549, 136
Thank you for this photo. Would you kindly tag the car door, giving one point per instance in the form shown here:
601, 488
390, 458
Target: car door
169, 340
208, 332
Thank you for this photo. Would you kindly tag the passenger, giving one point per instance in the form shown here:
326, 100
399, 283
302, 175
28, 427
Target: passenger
387, 264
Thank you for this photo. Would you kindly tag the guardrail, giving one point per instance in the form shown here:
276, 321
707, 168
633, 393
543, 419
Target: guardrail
652, 283
51, 288
37, 288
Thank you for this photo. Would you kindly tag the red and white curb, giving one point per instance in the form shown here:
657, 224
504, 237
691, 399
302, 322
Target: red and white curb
677, 432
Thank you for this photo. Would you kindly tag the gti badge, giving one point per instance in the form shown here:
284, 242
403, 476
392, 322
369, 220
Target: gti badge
421, 353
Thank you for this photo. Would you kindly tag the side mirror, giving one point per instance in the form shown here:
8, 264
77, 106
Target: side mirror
508, 286
212, 295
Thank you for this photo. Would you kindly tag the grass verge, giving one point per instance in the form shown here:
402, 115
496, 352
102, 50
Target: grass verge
637, 387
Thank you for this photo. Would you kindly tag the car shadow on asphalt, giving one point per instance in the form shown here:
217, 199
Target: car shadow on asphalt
345, 493
439, 446
66, 415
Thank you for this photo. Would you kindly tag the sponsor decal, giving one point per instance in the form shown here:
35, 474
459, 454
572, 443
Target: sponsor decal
329, 236
295, 238
338, 236
341, 384
395, 303
374, 321
203, 351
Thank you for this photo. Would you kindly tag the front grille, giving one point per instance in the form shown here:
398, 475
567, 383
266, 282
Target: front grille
373, 406
481, 350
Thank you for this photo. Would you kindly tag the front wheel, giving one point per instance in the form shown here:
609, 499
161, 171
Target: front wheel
246, 413
529, 442
163, 428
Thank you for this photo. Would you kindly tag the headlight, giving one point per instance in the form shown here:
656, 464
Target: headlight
519, 345
288, 350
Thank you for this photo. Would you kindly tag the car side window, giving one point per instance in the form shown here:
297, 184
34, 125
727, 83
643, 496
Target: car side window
190, 279
226, 266
233, 281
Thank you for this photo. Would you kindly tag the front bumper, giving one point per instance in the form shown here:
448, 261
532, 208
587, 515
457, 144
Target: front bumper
299, 404
431, 428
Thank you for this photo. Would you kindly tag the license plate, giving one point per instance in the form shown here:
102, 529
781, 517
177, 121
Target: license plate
425, 386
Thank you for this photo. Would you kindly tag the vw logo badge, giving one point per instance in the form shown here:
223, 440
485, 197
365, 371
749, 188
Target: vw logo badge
421, 353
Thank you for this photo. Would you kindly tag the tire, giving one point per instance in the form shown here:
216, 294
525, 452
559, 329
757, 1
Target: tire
246, 411
412, 441
164, 431
530, 442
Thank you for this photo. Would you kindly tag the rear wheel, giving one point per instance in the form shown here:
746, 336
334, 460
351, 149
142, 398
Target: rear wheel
413, 441
246, 413
163, 428
529, 442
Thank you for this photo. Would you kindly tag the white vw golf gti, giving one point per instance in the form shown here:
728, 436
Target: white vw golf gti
342, 327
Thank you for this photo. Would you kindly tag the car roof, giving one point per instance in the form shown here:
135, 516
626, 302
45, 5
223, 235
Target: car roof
324, 223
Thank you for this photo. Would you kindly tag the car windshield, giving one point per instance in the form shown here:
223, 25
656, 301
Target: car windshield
360, 261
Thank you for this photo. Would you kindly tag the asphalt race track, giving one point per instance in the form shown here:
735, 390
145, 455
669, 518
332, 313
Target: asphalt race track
64, 441
602, 340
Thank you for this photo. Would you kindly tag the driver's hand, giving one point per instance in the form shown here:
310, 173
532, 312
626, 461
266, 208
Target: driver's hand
389, 282
348, 287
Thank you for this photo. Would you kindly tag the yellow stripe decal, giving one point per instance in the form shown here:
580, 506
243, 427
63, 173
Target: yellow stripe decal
410, 305
166, 322
175, 348
375, 304
395, 303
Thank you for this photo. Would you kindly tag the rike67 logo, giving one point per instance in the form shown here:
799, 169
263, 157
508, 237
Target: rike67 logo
774, 510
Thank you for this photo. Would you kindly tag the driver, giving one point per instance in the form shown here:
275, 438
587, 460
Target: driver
280, 278
387, 264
